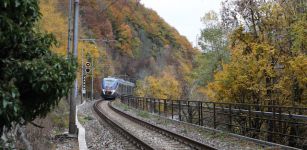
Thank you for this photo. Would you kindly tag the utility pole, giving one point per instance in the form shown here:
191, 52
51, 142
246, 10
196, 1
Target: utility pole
82, 76
72, 113
69, 27
69, 41
92, 74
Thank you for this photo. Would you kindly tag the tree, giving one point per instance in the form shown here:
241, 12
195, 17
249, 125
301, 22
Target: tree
268, 58
164, 86
32, 78
264, 50
213, 42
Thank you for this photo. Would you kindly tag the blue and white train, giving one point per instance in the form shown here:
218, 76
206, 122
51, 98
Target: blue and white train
114, 87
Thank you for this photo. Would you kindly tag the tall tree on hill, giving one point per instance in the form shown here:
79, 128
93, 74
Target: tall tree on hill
268, 54
32, 78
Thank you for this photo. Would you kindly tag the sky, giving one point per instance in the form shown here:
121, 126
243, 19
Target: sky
184, 15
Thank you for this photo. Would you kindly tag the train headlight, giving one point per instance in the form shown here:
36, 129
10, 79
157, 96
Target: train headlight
104, 91
112, 91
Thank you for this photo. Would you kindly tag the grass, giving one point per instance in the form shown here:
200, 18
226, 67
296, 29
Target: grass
184, 131
219, 135
84, 119
143, 114
60, 116
121, 105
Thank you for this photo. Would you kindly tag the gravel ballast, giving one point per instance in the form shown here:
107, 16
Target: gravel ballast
152, 138
218, 140
98, 134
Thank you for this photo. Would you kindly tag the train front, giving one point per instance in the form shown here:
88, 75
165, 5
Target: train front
109, 86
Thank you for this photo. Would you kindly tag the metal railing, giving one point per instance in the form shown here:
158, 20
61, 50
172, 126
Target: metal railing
278, 124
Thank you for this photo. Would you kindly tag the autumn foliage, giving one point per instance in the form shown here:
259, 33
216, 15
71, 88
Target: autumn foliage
140, 43
164, 86
268, 56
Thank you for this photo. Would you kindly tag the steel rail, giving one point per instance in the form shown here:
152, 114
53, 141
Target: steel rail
136, 141
183, 139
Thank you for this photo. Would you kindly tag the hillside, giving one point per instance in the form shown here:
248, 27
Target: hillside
130, 40
141, 44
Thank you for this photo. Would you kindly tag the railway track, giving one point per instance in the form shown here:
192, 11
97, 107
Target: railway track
144, 135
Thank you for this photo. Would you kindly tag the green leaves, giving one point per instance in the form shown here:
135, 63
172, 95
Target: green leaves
17, 3
32, 78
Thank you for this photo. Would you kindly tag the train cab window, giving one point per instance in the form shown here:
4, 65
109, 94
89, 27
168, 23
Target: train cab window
108, 83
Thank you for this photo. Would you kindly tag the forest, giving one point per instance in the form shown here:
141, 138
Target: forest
264, 59
251, 52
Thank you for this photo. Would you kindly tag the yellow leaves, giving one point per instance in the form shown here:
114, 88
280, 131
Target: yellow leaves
141, 88
164, 87
249, 76
299, 67
185, 69
53, 21
125, 40
268, 58
88, 48
246, 73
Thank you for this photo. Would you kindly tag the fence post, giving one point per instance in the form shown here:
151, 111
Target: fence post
199, 113
274, 124
190, 117
179, 105
230, 118
132, 102
165, 107
279, 123
159, 106
214, 116
150, 105
154, 105
139, 102
143, 103
249, 118
172, 109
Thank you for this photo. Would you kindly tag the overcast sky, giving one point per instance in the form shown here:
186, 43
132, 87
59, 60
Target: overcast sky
184, 15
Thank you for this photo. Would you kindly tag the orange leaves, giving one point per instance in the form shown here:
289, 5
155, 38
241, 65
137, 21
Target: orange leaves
125, 31
127, 42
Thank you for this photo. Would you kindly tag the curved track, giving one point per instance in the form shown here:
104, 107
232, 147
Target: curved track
142, 134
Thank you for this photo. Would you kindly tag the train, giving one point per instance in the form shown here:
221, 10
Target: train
113, 87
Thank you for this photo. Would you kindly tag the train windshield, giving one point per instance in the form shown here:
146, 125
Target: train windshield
109, 83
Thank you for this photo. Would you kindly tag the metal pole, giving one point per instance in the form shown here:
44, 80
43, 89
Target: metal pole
92, 88
82, 75
72, 114
69, 28
179, 110
69, 40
